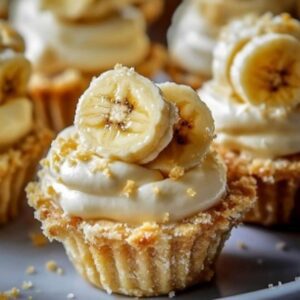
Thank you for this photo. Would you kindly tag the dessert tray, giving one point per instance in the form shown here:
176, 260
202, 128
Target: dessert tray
256, 264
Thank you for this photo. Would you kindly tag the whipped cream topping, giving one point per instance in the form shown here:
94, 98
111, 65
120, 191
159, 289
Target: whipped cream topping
16, 120
260, 129
90, 186
248, 128
54, 45
196, 26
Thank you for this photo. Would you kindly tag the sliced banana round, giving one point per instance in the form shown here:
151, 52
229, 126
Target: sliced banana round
267, 71
15, 72
122, 115
193, 131
10, 39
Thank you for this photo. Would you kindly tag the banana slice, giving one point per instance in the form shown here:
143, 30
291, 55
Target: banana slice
123, 115
10, 39
267, 71
15, 72
193, 132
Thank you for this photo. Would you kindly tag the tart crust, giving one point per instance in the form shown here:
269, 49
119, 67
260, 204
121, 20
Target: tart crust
148, 259
278, 186
17, 166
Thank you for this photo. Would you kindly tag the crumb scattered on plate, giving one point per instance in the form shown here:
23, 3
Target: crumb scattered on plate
26, 285
52, 266
30, 270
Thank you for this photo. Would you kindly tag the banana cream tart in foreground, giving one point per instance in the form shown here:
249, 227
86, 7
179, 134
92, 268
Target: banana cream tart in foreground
133, 190
70, 42
255, 100
195, 29
22, 142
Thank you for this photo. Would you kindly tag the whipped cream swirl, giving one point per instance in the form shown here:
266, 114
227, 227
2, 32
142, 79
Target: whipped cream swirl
197, 23
54, 44
90, 186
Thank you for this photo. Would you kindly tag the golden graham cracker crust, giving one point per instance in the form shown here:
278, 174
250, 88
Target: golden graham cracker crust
278, 186
17, 166
55, 97
147, 259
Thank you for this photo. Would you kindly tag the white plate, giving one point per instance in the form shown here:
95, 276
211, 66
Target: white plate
238, 270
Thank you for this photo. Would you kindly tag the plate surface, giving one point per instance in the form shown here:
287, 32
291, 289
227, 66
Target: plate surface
252, 259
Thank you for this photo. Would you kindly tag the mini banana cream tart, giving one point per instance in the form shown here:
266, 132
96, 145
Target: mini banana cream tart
255, 100
195, 28
69, 42
133, 190
21, 141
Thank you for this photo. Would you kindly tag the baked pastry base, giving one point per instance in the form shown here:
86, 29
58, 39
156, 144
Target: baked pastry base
55, 97
148, 259
17, 166
278, 186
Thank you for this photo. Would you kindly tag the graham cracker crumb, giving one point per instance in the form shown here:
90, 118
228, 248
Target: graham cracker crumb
241, 245
51, 266
84, 156
171, 294
51, 191
67, 146
27, 285
176, 173
13, 293
70, 296
129, 188
38, 239
30, 270
191, 192
281, 246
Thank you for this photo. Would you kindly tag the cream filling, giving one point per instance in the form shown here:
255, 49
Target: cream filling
15, 121
54, 45
191, 40
84, 192
192, 36
248, 128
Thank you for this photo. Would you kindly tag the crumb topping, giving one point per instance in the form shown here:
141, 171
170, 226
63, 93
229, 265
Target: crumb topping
191, 192
27, 285
67, 146
30, 270
129, 188
176, 173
